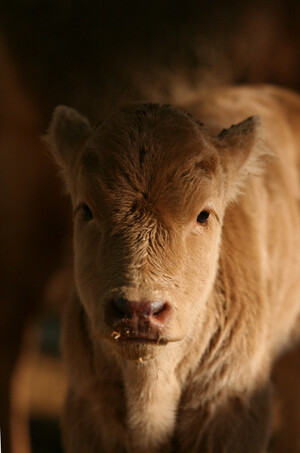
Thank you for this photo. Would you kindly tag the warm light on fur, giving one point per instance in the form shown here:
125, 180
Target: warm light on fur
230, 284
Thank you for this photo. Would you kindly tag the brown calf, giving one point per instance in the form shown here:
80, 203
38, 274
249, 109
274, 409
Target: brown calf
187, 263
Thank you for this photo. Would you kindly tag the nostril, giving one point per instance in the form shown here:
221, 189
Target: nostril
121, 305
156, 307
160, 311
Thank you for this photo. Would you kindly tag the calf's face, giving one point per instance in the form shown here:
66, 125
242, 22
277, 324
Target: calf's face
149, 189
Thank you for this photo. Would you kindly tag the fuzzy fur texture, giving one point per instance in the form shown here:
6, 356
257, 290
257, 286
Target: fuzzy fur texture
232, 283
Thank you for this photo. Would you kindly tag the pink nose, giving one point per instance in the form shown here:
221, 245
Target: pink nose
153, 313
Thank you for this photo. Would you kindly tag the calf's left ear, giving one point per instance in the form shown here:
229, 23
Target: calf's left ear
241, 151
67, 134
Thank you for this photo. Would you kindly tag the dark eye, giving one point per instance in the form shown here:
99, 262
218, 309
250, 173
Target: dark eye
202, 217
87, 213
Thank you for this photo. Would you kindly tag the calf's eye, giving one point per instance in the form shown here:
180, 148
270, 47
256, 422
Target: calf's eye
87, 213
202, 217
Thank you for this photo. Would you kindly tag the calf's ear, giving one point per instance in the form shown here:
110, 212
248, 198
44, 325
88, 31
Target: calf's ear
66, 136
242, 152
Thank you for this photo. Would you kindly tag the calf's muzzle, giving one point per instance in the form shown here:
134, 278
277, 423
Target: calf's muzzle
137, 319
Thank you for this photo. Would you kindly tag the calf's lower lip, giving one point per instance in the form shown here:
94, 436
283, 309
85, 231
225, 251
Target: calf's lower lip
125, 339
142, 340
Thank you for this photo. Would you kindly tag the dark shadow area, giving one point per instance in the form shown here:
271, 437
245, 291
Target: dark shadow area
286, 379
45, 435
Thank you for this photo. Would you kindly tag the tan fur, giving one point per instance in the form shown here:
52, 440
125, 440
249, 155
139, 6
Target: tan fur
233, 285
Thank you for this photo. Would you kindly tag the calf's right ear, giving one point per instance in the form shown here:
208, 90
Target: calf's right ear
242, 152
66, 136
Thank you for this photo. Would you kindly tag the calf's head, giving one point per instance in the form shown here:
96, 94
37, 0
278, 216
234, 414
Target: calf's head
149, 188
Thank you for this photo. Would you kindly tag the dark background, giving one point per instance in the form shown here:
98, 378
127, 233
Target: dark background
94, 53
93, 56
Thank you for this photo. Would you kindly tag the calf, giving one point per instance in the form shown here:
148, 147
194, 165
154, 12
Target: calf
187, 262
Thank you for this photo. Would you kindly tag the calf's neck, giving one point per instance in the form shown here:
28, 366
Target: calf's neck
186, 258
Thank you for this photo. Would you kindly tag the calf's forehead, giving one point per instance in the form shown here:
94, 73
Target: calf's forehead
148, 134
146, 145
156, 156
